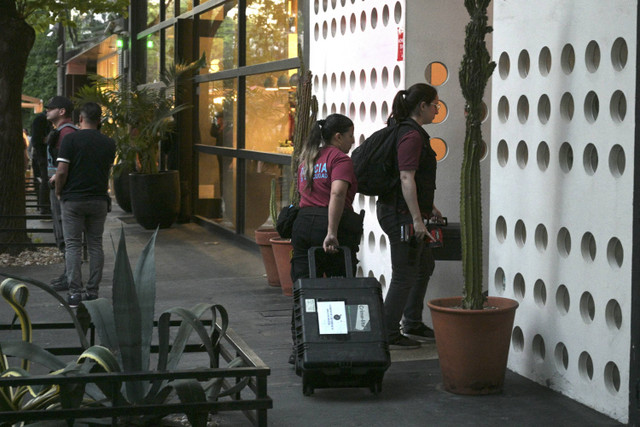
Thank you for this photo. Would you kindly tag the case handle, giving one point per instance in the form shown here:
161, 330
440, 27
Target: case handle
312, 260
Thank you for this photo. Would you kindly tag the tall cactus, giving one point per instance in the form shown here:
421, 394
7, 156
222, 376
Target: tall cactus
475, 70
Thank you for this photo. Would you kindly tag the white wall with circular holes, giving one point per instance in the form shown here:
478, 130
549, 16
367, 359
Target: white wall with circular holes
561, 192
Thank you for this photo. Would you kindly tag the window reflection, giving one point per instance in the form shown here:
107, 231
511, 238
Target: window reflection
153, 12
218, 37
169, 47
217, 106
258, 192
272, 30
270, 111
216, 189
185, 6
152, 46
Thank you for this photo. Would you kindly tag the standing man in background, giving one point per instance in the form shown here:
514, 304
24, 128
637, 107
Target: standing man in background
59, 111
82, 183
40, 128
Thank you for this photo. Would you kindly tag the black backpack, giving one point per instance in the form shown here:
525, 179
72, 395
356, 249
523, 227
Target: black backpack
375, 161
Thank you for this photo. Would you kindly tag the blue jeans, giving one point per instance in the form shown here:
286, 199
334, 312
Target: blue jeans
412, 267
88, 216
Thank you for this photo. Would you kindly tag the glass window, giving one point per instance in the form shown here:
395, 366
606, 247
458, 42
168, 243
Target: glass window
152, 49
217, 189
272, 30
218, 37
153, 12
258, 192
169, 47
185, 6
270, 111
108, 66
169, 9
217, 109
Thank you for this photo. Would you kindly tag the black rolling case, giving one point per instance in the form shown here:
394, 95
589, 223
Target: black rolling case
340, 335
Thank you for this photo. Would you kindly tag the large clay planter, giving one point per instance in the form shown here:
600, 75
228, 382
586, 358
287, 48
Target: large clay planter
473, 345
155, 198
282, 250
262, 239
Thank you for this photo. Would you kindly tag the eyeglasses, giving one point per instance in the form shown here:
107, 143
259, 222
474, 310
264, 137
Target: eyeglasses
436, 105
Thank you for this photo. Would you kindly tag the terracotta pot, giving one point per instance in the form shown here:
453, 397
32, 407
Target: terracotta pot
473, 345
282, 251
262, 239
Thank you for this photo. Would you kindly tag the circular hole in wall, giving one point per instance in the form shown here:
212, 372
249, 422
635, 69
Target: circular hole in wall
499, 281
588, 246
503, 153
563, 301
343, 80
343, 2
384, 111
397, 12
363, 21
523, 109
343, 25
519, 287
363, 79
325, 30
334, 81
325, 82
618, 106
612, 378
352, 79
373, 111
591, 107
540, 293
385, 15
361, 139
352, 110
522, 154
374, 18
436, 74
517, 339
359, 272
440, 147
361, 199
544, 109
587, 307
617, 161
542, 156
564, 242
541, 237
316, 31
590, 159
334, 109
615, 253
501, 229
383, 281
373, 78
363, 111
383, 243
503, 65
441, 114
334, 27
520, 233
524, 63
567, 106
484, 114
325, 111
371, 242
613, 315
566, 157
568, 59
585, 366
592, 56
316, 6
484, 150
539, 351
385, 77
619, 54
561, 356
325, 5
503, 109
396, 76
370, 274
544, 61
352, 23
343, 109
372, 203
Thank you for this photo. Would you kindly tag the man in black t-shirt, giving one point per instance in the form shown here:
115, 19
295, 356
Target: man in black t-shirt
82, 180
40, 128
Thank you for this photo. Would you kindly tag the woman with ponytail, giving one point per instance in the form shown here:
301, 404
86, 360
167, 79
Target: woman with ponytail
327, 186
407, 208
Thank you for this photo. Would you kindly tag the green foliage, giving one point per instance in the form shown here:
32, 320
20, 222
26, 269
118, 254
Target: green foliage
475, 71
40, 77
138, 119
40, 14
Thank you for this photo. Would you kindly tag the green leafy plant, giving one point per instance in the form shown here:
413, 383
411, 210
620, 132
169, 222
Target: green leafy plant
125, 329
139, 118
475, 71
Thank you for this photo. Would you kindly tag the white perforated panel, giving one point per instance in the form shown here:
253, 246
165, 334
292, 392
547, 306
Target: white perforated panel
561, 192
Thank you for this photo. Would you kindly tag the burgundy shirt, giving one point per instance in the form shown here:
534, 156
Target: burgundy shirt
331, 164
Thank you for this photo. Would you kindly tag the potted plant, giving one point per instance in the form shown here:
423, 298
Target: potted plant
473, 332
140, 119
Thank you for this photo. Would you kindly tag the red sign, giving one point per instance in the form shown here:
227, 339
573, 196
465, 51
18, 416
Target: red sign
400, 44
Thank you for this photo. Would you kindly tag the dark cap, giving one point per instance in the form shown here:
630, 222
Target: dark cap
60, 102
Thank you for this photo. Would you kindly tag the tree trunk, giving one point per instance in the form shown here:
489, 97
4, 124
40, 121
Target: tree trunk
16, 41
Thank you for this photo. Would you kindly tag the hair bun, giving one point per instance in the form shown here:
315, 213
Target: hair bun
321, 122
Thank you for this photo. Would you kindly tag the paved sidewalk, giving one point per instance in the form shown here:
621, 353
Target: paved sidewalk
195, 265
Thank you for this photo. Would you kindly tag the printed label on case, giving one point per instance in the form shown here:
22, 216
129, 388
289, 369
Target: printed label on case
310, 305
362, 318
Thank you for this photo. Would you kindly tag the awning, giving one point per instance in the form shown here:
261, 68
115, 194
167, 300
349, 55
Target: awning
31, 102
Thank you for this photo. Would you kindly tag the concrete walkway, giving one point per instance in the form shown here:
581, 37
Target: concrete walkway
195, 265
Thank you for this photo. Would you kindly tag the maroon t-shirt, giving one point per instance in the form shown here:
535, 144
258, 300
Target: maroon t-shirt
332, 164
409, 150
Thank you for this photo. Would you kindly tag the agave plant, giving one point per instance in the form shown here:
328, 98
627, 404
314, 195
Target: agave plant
125, 329
139, 118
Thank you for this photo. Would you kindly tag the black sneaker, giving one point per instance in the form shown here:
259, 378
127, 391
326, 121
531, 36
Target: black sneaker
421, 333
59, 279
74, 300
403, 343
89, 297
60, 286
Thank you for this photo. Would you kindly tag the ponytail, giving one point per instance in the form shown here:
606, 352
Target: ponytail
321, 134
407, 101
